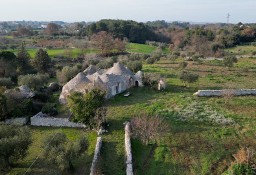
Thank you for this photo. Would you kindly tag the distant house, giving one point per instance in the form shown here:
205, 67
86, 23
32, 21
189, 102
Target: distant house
115, 80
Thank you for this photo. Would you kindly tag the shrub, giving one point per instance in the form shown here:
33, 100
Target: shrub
50, 109
183, 65
149, 128
151, 60
14, 145
33, 81
245, 162
151, 79
67, 73
188, 77
229, 61
6, 82
134, 66
62, 152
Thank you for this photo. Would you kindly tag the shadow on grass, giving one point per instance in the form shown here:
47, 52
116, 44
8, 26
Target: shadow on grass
112, 162
147, 159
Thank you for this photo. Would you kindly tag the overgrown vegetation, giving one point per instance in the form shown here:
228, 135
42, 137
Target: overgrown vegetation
14, 144
63, 153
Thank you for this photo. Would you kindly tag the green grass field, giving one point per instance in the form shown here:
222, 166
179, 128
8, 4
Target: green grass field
242, 50
191, 147
140, 48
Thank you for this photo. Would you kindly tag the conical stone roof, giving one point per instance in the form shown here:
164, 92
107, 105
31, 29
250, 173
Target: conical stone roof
119, 69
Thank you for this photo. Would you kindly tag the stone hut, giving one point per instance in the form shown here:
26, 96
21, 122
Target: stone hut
115, 80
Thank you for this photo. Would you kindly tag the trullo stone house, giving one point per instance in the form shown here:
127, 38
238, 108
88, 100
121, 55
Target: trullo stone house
113, 80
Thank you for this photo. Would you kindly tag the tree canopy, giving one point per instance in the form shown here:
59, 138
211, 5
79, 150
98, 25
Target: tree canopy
83, 107
14, 144
62, 152
133, 31
42, 61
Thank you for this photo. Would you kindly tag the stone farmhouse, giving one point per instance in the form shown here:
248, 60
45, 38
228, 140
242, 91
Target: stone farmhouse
114, 80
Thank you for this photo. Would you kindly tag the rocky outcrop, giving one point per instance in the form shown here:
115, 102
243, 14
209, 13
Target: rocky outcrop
128, 149
218, 93
41, 119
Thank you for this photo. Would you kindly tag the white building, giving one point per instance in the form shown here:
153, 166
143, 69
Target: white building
115, 80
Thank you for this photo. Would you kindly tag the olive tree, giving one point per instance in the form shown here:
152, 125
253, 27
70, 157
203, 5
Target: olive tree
33, 81
14, 144
187, 77
63, 152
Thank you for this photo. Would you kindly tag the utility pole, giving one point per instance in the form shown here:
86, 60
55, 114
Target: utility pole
228, 16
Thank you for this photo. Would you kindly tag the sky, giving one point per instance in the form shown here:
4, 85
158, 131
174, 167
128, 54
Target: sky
138, 10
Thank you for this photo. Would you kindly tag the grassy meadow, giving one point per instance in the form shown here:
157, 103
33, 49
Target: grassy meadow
194, 146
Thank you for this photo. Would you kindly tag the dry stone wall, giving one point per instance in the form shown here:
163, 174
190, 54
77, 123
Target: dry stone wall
41, 119
128, 149
218, 93
96, 156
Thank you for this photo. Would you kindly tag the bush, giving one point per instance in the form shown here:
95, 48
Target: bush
6, 82
229, 61
105, 64
134, 66
14, 145
151, 79
188, 77
151, 60
50, 109
20, 108
149, 128
67, 73
33, 81
183, 65
62, 152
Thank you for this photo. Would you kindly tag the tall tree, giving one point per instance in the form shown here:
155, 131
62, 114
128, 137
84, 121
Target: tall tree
23, 59
103, 41
42, 61
8, 64
83, 107
3, 105
52, 29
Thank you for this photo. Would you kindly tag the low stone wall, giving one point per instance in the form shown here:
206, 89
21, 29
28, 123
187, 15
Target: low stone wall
96, 156
17, 121
128, 149
218, 93
41, 119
